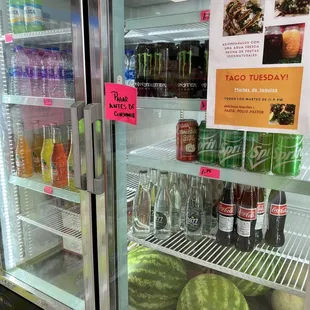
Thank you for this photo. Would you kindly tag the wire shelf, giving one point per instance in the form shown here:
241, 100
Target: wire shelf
162, 156
283, 268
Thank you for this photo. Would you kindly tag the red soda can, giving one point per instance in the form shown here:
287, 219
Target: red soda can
187, 140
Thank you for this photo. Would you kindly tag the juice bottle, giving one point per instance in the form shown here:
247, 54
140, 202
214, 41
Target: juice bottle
58, 161
16, 9
37, 143
46, 154
70, 167
23, 154
291, 42
33, 15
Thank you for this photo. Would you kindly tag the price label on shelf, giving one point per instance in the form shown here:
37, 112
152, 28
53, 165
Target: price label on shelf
203, 105
47, 102
8, 38
204, 16
207, 172
48, 190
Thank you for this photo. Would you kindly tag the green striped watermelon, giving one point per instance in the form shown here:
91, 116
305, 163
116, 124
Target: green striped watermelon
211, 292
155, 279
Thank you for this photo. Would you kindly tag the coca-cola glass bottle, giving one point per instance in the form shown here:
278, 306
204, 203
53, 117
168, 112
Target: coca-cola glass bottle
194, 208
260, 215
246, 220
226, 216
176, 203
184, 194
153, 189
277, 209
142, 208
205, 189
163, 209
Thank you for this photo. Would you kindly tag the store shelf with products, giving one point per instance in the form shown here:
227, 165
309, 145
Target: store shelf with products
162, 156
283, 268
38, 101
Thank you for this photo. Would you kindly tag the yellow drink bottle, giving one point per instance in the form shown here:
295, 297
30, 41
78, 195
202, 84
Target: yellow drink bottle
37, 142
46, 154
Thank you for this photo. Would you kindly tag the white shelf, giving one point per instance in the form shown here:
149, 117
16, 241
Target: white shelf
162, 156
35, 183
285, 274
37, 101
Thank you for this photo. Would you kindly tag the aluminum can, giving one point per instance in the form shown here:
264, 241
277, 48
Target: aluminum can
258, 151
231, 148
187, 140
208, 142
287, 154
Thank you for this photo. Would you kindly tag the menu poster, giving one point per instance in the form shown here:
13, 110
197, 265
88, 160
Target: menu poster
259, 65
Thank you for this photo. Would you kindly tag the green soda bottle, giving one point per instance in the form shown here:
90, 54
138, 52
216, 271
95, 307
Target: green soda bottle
16, 9
33, 15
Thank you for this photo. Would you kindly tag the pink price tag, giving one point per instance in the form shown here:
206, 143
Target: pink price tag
48, 190
47, 102
204, 16
208, 172
121, 103
203, 105
8, 38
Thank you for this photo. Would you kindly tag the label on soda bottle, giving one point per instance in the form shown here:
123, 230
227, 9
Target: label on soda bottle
193, 222
243, 228
227, 209
161, 220
260, 215
278, 210
247, 214
226, 224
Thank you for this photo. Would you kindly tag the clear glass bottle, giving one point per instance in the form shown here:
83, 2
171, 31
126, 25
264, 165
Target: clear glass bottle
163, 209
153, 189
176, 200
37, 143
142, 208
207, 203
194, 210
184, 194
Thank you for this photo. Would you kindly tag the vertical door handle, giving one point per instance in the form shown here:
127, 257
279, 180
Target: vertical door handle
77, 116
92, 113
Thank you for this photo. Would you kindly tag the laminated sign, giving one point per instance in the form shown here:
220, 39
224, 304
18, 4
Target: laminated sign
259, 66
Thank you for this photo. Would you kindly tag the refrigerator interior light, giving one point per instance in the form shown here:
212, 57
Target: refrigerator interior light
179, 0
155, 33
191, 38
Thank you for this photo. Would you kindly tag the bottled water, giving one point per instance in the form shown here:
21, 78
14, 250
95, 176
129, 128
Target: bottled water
68, 72
50, 67
16, 9
142, 208
44, 71
163, 209
207, 203
36, 73
33, 15
59, 82
153, 189
176, 200
132, 69
193, 230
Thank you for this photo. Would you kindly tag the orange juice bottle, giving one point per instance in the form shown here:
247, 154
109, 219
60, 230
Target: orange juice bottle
37, 143
46, 154
23, 154
58, 161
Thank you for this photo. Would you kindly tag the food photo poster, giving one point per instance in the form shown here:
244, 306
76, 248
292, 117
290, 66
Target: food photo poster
259, 66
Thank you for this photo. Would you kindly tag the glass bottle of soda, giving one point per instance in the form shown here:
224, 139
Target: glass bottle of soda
277, 209
37, 143
153, 189
246, 220
176, 201
226, 215
260, 215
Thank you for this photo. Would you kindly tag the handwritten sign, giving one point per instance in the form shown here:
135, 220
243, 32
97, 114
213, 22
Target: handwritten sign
208, 172
121, 103
204, 16
203, 105
47, 102
48, 190
8, 38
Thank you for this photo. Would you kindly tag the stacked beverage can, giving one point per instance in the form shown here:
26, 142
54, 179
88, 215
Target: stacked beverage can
208, 143
258, 151
231, 148
287, 154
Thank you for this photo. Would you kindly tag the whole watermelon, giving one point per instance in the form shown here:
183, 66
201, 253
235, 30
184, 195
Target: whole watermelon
255, 265
155, 279
211, 292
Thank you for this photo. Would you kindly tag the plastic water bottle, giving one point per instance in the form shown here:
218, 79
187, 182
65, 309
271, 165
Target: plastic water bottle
132, 69
33, 15
69, 77
51, 65
36, 73
59, 78
44, 70
16, 9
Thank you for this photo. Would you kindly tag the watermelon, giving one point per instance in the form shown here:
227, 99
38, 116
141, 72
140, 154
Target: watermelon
211, 292
155, 279
284, 301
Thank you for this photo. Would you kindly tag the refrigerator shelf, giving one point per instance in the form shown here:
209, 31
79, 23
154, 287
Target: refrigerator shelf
45, 37
55, 220
162, 156
38, 101
284, 268
35, 183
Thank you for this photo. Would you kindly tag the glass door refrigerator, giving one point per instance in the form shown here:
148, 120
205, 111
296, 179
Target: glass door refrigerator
46, 210
174, 236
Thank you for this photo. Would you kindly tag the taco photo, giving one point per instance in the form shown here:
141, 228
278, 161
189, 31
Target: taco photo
291, 7
282, 114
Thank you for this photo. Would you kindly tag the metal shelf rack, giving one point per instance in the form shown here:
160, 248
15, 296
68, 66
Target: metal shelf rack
288, 265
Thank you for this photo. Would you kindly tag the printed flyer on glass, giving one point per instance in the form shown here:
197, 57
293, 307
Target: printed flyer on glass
259, 66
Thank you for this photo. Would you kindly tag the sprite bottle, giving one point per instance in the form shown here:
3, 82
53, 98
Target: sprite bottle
231, 148
287, 154
258, 151
208, 144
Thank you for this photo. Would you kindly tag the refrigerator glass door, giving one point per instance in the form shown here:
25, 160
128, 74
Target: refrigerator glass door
165, 227
45, 217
